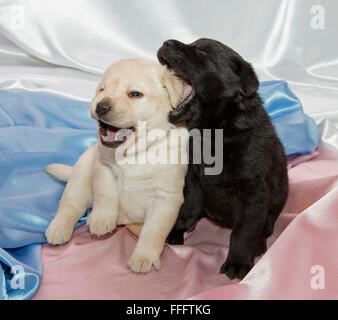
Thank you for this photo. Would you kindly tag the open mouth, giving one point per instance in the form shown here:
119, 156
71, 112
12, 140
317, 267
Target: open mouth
111, 136
188, 89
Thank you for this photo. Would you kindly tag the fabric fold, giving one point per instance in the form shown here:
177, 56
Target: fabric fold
38, 128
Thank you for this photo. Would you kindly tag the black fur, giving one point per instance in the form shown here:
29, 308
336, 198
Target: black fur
252, 189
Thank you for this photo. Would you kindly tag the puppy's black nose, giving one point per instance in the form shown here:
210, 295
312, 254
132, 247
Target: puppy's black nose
102, 108
168, 43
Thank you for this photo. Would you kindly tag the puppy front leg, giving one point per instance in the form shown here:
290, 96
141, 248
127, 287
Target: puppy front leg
76, 199
191, 209
103, 217
247, 235
150, 244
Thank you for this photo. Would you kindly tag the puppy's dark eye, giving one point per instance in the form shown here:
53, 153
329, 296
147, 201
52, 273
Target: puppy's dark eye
135, 94
101, 89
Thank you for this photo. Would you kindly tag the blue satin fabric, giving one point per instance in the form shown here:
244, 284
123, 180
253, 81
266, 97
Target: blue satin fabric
37, 129
296, 130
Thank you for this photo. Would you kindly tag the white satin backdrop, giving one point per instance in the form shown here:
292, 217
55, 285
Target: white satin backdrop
65, 45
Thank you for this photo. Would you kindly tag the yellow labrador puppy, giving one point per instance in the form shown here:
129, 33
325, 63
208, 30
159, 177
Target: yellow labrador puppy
128, 192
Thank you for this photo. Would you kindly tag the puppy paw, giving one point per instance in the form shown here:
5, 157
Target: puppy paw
235, 270
101, 223
261, 247
59, 232
143, 263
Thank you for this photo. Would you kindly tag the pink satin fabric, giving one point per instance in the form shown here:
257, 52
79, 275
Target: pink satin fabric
306, 235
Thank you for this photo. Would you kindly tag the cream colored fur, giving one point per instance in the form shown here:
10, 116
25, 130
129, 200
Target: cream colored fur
145, 196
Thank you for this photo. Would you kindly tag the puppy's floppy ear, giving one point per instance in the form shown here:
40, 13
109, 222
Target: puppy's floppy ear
174, 87
248, 79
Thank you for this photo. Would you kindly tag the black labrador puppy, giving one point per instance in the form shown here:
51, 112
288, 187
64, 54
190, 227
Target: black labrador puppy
250, 191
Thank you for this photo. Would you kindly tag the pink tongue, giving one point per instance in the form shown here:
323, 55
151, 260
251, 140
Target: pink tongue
186, 91
110, 137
